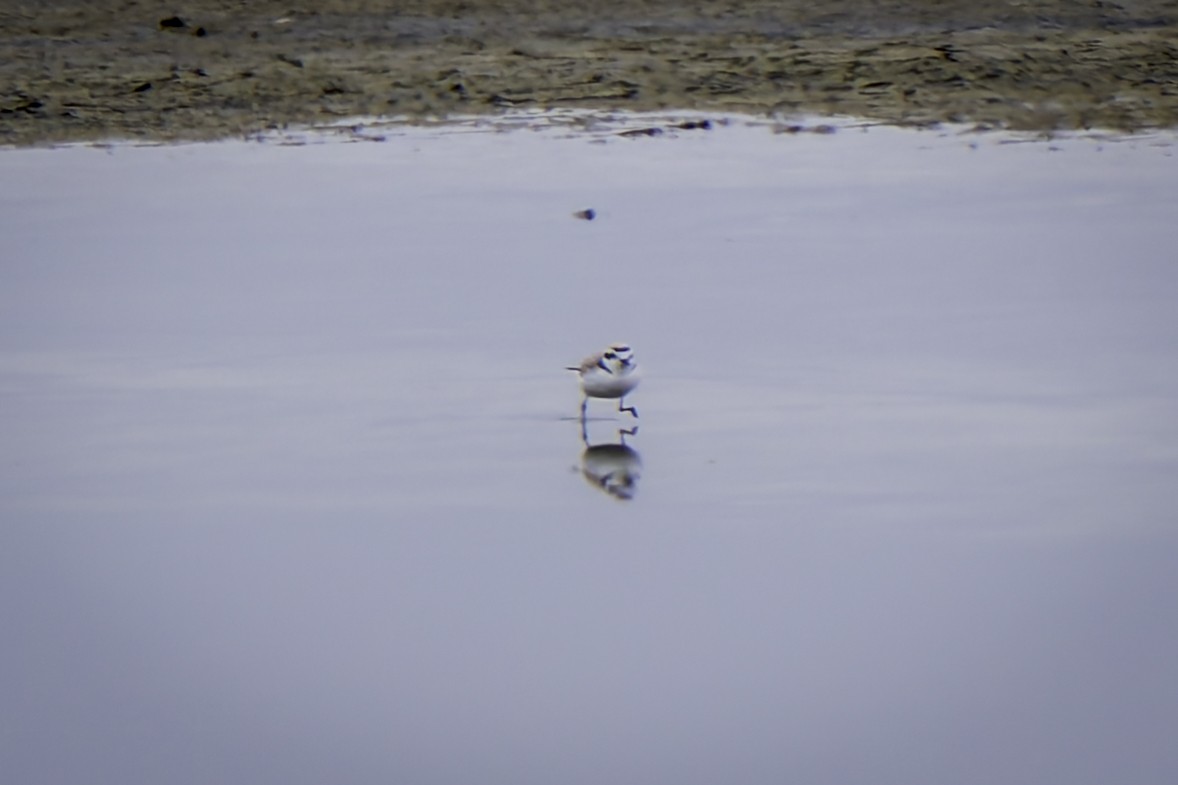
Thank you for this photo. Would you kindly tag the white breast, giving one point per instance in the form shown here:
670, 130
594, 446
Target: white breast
598, 383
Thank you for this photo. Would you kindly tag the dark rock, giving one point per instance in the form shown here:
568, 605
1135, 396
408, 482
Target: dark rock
642, 132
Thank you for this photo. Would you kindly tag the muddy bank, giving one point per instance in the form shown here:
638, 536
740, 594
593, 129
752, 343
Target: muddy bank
118, 68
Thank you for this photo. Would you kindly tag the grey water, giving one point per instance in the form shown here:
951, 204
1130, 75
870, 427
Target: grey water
293, 489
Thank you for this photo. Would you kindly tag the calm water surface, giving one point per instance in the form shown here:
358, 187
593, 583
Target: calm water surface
293, 489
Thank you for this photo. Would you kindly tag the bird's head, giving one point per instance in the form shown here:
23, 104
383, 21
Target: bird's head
620, 357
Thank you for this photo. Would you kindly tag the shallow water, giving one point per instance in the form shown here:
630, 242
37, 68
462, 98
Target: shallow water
294, 489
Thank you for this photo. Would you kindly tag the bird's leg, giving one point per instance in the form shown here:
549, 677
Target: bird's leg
584, 404
631, 409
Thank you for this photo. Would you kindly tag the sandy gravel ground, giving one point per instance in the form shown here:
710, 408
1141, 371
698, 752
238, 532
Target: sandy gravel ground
80, 70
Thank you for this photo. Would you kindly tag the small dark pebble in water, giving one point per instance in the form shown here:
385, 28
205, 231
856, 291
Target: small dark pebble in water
586, 215
173, 22
642, 132
143, 88
200, 32
799, 129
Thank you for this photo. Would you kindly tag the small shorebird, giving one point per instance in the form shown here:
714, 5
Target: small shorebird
608, 374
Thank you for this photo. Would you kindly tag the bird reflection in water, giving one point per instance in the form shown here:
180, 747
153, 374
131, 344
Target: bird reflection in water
612, 467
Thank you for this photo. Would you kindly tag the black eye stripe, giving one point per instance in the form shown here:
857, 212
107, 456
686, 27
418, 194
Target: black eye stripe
610, 356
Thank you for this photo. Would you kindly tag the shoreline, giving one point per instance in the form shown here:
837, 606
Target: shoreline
85, 72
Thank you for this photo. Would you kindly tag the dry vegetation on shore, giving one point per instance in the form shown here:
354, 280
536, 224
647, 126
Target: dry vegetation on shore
109, 69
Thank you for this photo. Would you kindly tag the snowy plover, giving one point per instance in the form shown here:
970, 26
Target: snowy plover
608, 374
